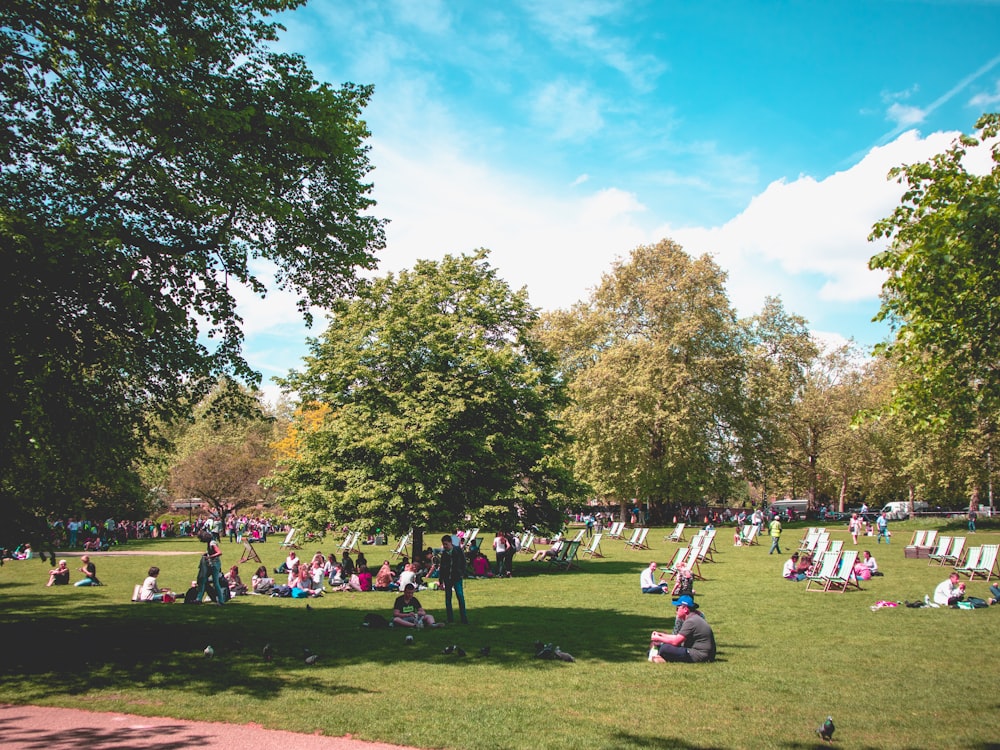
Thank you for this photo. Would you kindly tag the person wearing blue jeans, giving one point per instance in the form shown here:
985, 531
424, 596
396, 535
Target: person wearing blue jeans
450, 575
212, 560
883, 528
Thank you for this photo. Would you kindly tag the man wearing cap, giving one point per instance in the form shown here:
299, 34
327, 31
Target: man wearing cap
693, 641
407, 612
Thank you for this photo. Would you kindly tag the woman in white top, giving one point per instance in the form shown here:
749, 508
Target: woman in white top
500, 547
150, 591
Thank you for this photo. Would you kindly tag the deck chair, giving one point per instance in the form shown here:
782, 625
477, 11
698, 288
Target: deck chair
594, 548
639, 541
710, 537
404, 542
808, 543
579, 535
470, 538
954, 555
679, 556
971, 561
749, 536
350, 542
677, 535
827, 569
705, 551
616, 530
289, 542
837, 545
635, 535
845, 577
987, 566
693, 561
917, 540
565, 558
943, 545
528, 543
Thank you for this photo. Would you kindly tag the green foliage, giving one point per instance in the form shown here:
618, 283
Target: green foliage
787, 658
655, 366
441, 406
942, 295
152, 153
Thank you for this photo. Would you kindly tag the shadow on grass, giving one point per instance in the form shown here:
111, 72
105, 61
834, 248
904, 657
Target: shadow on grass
166, 737
627, 739
152, 646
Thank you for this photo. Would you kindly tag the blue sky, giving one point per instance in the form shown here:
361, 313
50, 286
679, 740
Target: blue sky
561, 135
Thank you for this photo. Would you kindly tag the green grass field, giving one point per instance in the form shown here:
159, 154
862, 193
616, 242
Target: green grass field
895, 678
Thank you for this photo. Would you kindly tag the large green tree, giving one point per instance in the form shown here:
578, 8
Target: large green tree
151, 153
656, 373
441, 405
942, 295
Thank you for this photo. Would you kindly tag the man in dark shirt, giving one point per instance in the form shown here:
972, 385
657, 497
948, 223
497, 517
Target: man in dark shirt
407, 612
693, 642
450, 575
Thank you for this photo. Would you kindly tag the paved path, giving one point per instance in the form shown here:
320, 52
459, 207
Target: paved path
39, 728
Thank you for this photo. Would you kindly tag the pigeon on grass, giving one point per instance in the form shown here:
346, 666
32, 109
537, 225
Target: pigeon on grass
826, 730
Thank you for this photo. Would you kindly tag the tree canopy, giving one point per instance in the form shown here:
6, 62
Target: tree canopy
154, 153
942, 295
441, 407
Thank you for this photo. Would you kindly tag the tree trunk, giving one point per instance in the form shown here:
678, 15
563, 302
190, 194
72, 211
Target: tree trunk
418, 543
911, 496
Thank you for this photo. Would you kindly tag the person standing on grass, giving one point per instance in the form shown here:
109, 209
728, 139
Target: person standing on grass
450, 576
500, 548
775, 529
854, 525
883, 528
213, 572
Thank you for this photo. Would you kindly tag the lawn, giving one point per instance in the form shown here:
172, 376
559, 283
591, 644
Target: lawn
895, 678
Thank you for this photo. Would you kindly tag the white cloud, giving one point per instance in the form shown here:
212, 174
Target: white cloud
985, 101
568, 110
905, 116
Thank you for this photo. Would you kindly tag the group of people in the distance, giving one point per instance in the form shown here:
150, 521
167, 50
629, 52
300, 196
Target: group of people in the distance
691, 639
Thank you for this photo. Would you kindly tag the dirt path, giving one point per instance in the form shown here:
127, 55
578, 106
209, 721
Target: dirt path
35, 728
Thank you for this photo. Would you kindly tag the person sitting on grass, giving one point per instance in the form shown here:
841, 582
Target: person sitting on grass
150, 591
384, 577
236, 585
407, 611
694, 640
866, 567
684, 585
89, 571
408, 576
949, 592
59, 575
791, 569
261, 581
648, 583
481, 566
364, 578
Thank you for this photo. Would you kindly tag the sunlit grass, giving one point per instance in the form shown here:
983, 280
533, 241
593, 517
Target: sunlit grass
897, 678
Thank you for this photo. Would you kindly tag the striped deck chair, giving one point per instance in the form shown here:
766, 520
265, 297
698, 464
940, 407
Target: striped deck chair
837, 545
679, 554
639, 542
594, 548
290, 540
527, 543
635, 535
971, 561
827, 569
943, 545
677, 535
956, 552
691, 562
566, 557
845, 577
616, 530
743, 536
404, 542
350, 542
808, 543
579, 535
710, 535
987, 565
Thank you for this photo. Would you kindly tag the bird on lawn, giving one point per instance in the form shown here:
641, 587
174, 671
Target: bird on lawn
308, 607
209, 651
826, 731
448, 650
312, 659
267, 652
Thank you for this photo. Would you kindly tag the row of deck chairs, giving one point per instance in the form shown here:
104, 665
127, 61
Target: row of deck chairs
835, 572
949, 551
701, 550
980, 561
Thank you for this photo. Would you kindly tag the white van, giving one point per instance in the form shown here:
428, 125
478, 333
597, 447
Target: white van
798, 507
900, 510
